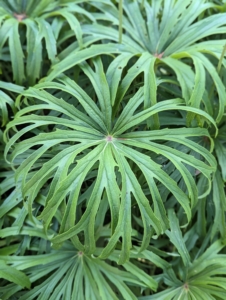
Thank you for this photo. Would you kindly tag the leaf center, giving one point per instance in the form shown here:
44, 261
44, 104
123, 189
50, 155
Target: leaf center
109, 138
20, 17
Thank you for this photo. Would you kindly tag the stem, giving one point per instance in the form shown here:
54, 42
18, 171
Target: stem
120, 20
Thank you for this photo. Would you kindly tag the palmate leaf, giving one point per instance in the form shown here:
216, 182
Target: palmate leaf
167, 42
68, 273
89, 139
203, 278
158, 35
36, 19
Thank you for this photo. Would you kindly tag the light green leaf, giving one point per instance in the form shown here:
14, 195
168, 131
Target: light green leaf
16, 53
13, 275
77, 57
176, 238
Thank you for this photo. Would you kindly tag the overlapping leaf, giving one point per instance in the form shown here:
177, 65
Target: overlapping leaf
89, 139
64, 273
168, 36
202, 279
6, 101
40, 21
99, 167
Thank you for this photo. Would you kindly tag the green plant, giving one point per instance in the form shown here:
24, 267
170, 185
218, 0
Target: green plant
26, 24
113, 163
178, 46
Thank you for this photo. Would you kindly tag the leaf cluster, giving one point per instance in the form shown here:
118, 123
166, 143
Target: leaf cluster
112, 149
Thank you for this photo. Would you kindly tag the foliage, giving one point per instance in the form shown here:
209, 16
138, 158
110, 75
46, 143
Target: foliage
26, 24
113, 149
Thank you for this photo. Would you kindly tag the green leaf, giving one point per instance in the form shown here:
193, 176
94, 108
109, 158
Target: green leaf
221, 156
5, 100
176, 238
74, 24
61, 273
16, 53
101, 87
13, 275
219, 200
123, 124
114, 73
67, 153
34, 51
77, 57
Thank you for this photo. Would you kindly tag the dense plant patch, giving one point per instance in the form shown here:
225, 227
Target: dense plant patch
112, 149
